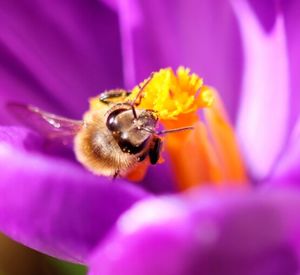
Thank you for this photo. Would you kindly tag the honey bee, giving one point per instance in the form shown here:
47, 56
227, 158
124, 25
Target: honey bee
108, 141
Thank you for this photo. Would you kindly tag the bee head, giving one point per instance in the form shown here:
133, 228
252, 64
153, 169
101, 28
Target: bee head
132, 131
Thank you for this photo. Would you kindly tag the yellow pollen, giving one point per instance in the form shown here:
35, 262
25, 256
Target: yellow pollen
170, 94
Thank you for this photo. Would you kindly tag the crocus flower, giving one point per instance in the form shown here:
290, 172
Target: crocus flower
230, 222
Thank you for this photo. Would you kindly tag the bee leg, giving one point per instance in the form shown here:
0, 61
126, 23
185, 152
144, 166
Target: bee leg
138, 98
154, 151
143, 156
116, 174
107, 96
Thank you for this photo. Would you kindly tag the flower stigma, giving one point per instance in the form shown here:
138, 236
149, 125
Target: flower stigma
207, 154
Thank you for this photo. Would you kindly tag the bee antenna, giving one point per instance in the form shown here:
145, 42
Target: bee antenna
138, 96
163, 132
169, 131
151, 131
133, 111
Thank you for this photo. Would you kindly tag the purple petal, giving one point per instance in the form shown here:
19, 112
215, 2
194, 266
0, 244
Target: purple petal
57, 207
21, 138
291, 11
230, 233
263, 121
202, 35
265, 11
160, 178
57, 54
287, 168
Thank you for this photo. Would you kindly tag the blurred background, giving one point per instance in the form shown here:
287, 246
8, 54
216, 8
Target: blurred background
16, 259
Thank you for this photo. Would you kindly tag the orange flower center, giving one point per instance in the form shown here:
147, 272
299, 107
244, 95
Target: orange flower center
207, 154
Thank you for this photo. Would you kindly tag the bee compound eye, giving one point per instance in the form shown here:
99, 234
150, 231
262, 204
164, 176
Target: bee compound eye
112, 121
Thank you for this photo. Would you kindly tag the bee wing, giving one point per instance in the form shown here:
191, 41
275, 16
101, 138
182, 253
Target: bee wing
49, 125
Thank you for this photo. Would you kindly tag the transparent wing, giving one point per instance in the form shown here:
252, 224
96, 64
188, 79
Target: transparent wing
49, 125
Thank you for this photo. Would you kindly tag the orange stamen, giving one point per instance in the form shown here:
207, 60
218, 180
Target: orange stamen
193, 159
224, 141
138, 172
206, 154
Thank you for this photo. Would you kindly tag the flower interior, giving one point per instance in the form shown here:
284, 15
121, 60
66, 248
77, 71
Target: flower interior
206, 154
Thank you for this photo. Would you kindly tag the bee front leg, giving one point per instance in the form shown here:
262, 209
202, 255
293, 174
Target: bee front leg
108, 96
116, 174
154, 151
